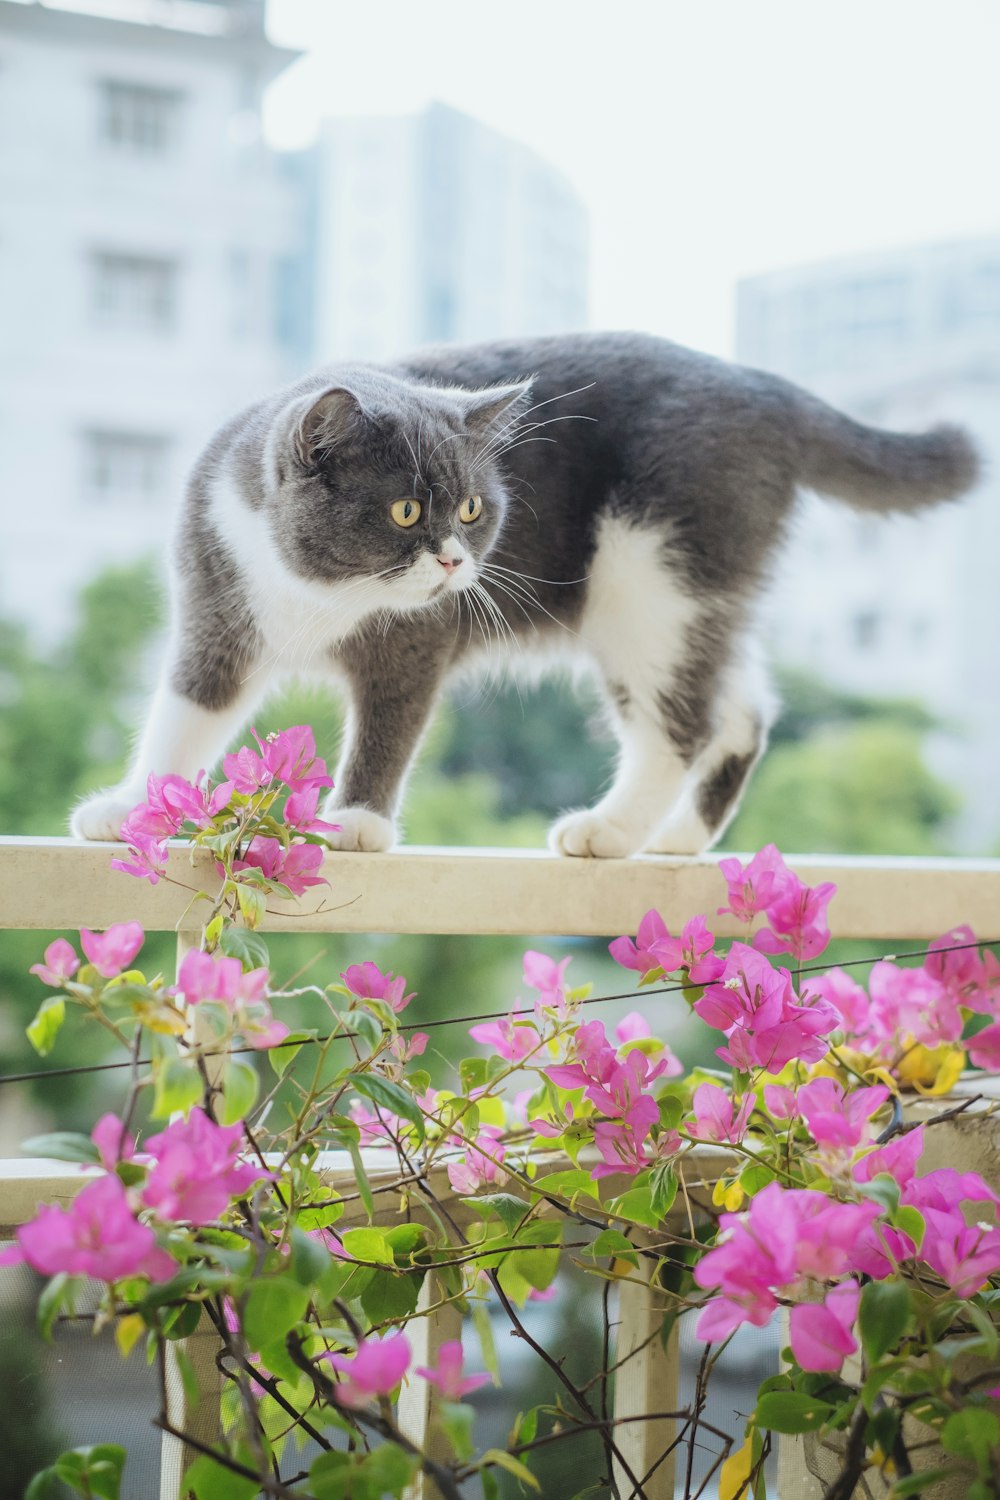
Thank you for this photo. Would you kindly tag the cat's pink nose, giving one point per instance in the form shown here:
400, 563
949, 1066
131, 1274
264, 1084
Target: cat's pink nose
449, 563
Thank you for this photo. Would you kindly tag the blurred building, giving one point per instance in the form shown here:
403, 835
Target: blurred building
151, 271
902, 606
433, 227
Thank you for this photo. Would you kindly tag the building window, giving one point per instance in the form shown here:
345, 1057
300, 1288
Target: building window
134, 291
139, 118
124, 465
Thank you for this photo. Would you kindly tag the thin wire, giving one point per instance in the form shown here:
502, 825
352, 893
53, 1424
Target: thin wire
496, 1015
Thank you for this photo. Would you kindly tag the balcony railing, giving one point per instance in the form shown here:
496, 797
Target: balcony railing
57, 883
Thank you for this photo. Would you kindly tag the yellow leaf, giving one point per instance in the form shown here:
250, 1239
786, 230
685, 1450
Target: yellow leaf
734, 1476
931, 1070
160, 1016
127, 1330
728, 1195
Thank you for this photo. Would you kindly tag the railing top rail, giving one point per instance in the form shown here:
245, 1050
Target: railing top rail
51, 883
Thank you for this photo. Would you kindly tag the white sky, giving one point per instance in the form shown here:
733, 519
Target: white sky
709, 139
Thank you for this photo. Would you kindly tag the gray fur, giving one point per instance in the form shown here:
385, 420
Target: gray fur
619, 431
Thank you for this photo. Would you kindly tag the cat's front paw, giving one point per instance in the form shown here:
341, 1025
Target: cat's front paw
588, 834
687, 835
102, 815
360, 829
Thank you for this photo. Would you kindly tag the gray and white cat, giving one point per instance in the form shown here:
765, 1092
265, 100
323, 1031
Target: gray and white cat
609, 497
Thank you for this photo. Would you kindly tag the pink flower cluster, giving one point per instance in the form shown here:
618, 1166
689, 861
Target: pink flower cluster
109, 952
790, 1243
796, 913
925, 1004
204, 976
287, 759
614, 1080
765, 1022
193, 1175
654, 949
378, 1365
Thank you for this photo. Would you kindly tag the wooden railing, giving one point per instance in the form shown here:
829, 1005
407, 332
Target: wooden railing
57, 883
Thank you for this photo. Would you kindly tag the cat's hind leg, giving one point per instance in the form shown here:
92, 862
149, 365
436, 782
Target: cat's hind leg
744, 711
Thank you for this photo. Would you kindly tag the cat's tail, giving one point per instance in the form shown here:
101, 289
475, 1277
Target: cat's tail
875, 470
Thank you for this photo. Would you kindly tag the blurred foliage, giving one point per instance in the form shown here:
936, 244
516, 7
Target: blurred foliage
844, 774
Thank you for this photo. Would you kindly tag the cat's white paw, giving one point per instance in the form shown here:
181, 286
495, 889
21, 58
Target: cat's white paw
102, 815
688, 835
360, 829
589, 835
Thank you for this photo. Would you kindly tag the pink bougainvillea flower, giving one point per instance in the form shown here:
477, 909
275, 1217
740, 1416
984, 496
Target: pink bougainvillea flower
112, 951
543, 974
846, 996
754, 886
289, 757
632, 1028
820, 1333
300, 813
510, 1038
97, 1235
404, 1050
448, 1377
149, 854
691, 951
714, 1116
837, 1121
172, 801
983, 1048
953, 961
367, 982
796, 917
196, 1174
60, 963
207, 976
766, 1025
780, 1101
639, 955
963, 1255
113, 1142
479, 1168
911, 1002
897, 1158
295, 866
375, 1370
621, 1141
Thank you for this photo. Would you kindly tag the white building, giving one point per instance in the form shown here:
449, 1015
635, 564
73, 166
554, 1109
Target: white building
432, 227
904, 606
149, 271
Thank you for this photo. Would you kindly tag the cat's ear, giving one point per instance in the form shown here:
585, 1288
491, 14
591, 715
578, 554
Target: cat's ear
329, 420
484, 409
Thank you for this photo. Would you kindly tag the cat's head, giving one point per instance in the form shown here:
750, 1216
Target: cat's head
385, 480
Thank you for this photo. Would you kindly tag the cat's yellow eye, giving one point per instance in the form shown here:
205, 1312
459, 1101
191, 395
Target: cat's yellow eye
471, 509
405, 512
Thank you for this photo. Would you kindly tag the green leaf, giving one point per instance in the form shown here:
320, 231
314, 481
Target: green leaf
663, 1186
472, 1072
405, 1240
390, 1295
181, 1322
754, 1178
487, 1346
57, 1294
210, 1481
613, 1242
915, 1484
972, 1433
94, 1472
361, 1177
253, 902
911, 1221
791, 1412
284, 1054
884, 1316
389, 1469
457, 1420
44, 1029
365, 1027
511, 1464
239, 1090
986, 1328
507, 1207
63, 1145
568, 1184
882, 1189
637, 1206
177, 1085
390, 1096
46, 1485
369, 1245
249, 947
309, 1258
273, 1307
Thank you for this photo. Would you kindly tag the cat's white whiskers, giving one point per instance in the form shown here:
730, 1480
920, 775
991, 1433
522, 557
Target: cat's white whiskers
514, 421
559, 583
